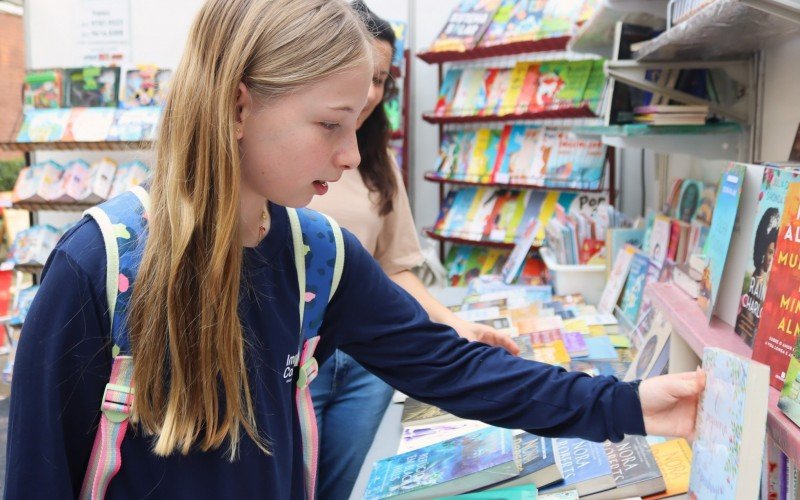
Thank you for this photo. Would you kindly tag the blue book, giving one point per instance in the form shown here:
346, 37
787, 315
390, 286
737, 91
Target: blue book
454, 466
584, 465
634, 287
600, 348
536, 461
513, 147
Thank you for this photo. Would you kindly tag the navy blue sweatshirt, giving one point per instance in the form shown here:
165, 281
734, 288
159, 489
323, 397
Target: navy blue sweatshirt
63, 364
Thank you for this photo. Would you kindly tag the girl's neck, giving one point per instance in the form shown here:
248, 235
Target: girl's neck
253, 217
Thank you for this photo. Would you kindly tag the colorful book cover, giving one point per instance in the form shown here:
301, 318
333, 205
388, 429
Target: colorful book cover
559, 18
484, 203
536, 462
494, 34
546, 212
89, 124
618, 237
659, 239
719, 236
23, 304
513, 265
74, 182
478, 160
520, 165
456, 216
553, 353
493, 220
705, 209
595, 85
482, 99
415, 437
513, 230
600, 348
466, 25
42, 90
774, 184
634, 468
502, 81
438, 469
652, 349
616, 280
467, 93
529, 87
91, 87
502, 144
576, 78
44, 125
730, 428
525, 22
503, 226
138, 124
576, 345
490, 156
634, 287
447, 93
464, 147
779, 326
101, 178
516, 136
511, 97
444, 211
688, 200
789, 402
551, 81
674, 459
584, 465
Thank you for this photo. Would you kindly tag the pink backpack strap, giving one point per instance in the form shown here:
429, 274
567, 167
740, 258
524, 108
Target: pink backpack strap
106, 459
306, 415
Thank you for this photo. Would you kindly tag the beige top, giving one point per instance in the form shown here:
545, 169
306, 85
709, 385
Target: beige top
391, 239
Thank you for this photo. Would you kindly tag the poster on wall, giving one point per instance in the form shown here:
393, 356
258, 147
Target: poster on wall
103, 33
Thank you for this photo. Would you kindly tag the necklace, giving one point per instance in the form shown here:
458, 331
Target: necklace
262, 225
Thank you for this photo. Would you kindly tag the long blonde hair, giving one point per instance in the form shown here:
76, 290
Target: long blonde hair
192, 385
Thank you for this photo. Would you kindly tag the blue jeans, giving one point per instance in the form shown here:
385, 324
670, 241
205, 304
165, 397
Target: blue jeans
349, 402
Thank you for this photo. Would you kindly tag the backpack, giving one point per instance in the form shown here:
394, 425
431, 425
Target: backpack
319, 259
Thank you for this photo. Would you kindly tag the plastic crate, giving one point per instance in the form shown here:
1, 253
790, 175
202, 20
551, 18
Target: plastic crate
588, 280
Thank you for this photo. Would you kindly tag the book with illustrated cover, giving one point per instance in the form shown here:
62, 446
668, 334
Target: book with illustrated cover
503, 16
415, 437
730, 428
553, 353
551, 82
517, 80
575, 344
28, 180
594, 86
530, 87
779, 326
616, 280
128, 175
576, 78
49, 182
458, 465
146, 85
23, 304
89, 124
44, 125
674, 459
520, 167
719, 235
600, 349
91, 87
659, 239
472, 80
633, 292
634, 468
536, 462
652, 353
482, 99
418, 413
513, 146
42, 90
559, 18
774, 185
137, 124
74, 182
524, 23
447, 93
500, 86
101, 178
513, 265
466, 25
789, 401
688, 200
584, 465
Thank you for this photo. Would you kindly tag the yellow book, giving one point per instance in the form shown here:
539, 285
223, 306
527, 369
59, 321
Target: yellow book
513, 226
554, 353
477, 162
492, 256
674, 459
577, 325
620, 341
467, 229
509, 103
597, 331
546, 212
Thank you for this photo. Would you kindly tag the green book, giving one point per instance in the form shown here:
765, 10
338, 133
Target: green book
527, 492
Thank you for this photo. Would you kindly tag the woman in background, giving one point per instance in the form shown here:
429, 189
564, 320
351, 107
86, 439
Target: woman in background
372, 203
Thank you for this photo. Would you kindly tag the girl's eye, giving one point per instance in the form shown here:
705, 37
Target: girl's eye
329, 125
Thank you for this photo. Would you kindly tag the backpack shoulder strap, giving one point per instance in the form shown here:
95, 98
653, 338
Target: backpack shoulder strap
123, 223
319, 259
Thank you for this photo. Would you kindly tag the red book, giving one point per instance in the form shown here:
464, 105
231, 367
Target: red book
493, 220
529, 87
674, 240
780, 316
501, 151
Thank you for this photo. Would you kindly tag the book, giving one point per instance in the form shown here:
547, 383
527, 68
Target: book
719, 235
553, 353
594, 368
631, 299
674, 459
616, 280
128, 175
652, 353
101, 178
584, 466
91, 87
634, 469
659, 239
524, 23
23, 304
417, 413
618, 237
513, 266
466, 25
688, 200
146, 85
774, 184
535, 460
137, 124
415, 437
730, 427
42, 90
469, 86
447, 92
528, 492
73, 182
89, 124
789, 401
575, 344
464, 463
44, 125
502, 17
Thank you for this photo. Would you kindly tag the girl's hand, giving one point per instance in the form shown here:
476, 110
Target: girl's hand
485, 334
669, 403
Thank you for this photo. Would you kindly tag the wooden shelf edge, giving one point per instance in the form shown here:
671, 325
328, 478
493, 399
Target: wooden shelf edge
75, 146
57, 207
463, 241
689, 322
509, 49
433, 177
583, 111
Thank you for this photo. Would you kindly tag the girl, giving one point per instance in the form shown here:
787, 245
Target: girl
262, 115
372, 203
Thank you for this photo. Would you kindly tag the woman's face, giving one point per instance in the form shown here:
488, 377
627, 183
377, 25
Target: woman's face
382, 64
293, 145
768, 256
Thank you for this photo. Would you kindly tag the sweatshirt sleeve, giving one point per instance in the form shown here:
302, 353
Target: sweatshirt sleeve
381, 326
61, 368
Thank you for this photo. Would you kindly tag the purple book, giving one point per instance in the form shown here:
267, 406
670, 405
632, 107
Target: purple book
575, 344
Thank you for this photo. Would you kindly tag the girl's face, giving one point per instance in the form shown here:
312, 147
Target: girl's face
382, 61
293, 145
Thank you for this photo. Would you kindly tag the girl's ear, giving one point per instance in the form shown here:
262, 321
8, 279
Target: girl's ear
244, 106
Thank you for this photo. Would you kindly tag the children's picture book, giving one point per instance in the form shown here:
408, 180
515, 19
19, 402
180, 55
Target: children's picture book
774, 184
674, 459
633, 292
502, 17
616, 280
652, 351
688, 200
659, 239
137, 124
466, 25
91, 87
705, 210
518, 255
451, 467
42, 90
730, 428
779, 325
447, 92
101, 178
89, 124
23, 304
600, 349
145, 85
789, 402
524, 23
44, 125
73, 182
719, 236
584, 465
634, 468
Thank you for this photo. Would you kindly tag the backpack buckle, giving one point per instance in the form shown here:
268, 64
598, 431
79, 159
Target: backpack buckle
307, 373
117, 402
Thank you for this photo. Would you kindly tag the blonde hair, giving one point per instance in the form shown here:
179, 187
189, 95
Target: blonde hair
192, 385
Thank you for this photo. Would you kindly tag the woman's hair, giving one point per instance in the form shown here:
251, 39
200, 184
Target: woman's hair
374, 133
192, 386
766, 234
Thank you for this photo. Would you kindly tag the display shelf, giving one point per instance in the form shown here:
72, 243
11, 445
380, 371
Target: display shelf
509, 49
464, 241
434, 177
596, 36
60, 207
556, 113
75, 146
716, 141
726, 29
690, 323
23, 268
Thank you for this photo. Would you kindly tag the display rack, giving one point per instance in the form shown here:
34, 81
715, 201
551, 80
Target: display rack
27, 147
34, 206
509, 49
596, 36
689, 323
561, 112
466, 241
434, 177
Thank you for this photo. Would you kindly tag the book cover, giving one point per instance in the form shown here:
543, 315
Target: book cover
774, 185
551, 82
632, 294
485, 200
594, 86
101, 178
482, 99
138, 124
516, 136
478, 161
503, 226
418, 413
415, 437
525, 22
513, 229
501, 84
659, 239
146, 85
730, 428
89, 124
634, 469
688, 200
576, 78
49, 182
513, 265
652, 350
559, 17
705, 209
502, 197
447, 92
74, 182
523, 167
529, 88
719, 235
616, 280
618, 237
458, 465
466, 25
789, 401
597, 367
456, 216
44, 125
511, 97
467, 92
576, 344
23, 304
674, 459
535, 460
584, 466
91, 87
447, 204
502, 17
600, 348
42, 90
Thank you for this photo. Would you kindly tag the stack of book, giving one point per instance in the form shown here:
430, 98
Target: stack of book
579, 237
671, 114
465, 263
32, 246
